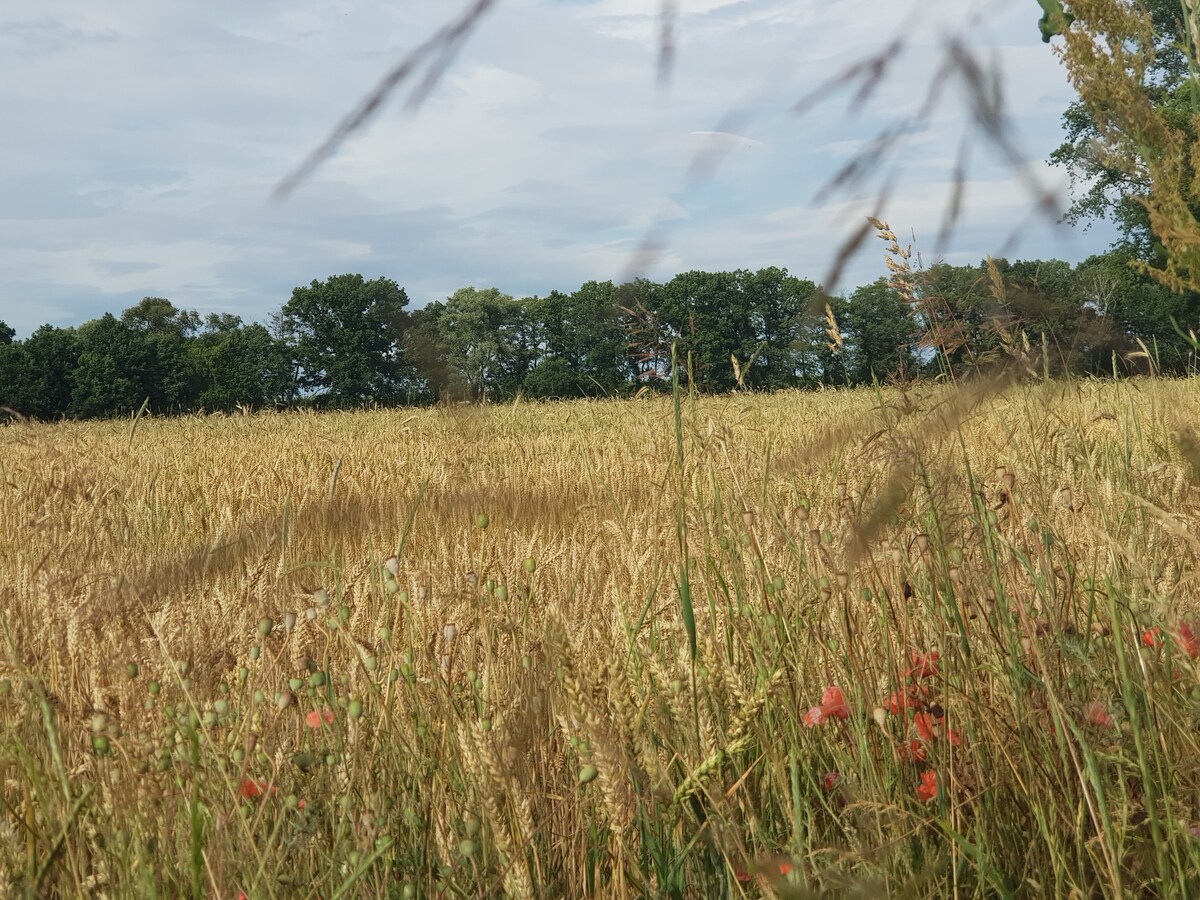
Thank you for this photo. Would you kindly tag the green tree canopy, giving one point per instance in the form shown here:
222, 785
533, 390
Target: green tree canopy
879, 331
238, 364
348, 336
486, 342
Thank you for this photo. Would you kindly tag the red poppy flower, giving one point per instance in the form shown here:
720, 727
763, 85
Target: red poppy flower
953, 737
833, 706
829, 781
1188, 642
928, 787
912, 751
899, 702
1097, 714
924, 665
251, 789
316, 719
923, 723
1150, 637
833, 703
785, 868
743, 877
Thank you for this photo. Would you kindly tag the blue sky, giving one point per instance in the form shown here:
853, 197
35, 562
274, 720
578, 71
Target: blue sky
144, 139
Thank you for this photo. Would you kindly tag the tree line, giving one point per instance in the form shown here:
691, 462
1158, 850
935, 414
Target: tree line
348, 341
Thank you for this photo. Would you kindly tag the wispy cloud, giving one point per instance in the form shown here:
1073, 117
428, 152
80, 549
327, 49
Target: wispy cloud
151, 136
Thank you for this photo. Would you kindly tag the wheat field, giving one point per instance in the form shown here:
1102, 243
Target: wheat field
942, 641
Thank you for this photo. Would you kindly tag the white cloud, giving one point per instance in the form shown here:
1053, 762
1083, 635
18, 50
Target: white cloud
151, 135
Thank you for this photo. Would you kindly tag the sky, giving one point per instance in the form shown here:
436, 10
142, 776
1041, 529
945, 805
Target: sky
144, 140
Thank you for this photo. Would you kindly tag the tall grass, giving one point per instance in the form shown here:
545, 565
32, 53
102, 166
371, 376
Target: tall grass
442, 653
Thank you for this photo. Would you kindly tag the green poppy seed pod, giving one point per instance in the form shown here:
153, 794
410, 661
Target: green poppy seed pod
259, 697
482, 521
588, 774
295, 683
131, 670
394, 675
529, 565
392, 586
402, 596
154, 687
466, 848
284, 699
485, 725
265, 626
221, 707
408, 892
956, 556
321, 597
369, 663
238, 755
291, 801
209, 719
255, 652
865, 595
355, 709
243, 673
311, 614
501, 593
100, 745
489, 585
471, 824
318, 679
343, 614
385, 633
777, 582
